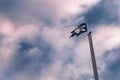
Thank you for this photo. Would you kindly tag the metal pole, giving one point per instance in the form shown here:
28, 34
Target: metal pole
93, 57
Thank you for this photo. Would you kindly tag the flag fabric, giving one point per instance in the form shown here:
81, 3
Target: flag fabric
79, 30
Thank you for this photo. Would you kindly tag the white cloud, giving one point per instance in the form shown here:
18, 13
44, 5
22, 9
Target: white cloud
9, 43
12, 35
106, 37
58, 37
29, 10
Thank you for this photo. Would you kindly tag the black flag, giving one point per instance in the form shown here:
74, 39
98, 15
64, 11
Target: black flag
79, 30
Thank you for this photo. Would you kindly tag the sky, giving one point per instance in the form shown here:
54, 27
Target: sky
35, 44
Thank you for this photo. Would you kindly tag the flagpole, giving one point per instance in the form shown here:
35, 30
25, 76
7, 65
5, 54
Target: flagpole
93, 57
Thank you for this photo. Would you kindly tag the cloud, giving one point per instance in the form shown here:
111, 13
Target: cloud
117, 2
107, 41
49, 12
106, 12
12, 35
34, 50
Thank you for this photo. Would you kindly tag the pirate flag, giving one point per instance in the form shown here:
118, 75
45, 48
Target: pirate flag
79, 30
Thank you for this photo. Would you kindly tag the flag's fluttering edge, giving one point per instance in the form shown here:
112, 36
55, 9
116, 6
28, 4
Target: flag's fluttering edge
79, 30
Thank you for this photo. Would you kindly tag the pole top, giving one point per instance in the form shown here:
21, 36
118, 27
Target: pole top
89, 32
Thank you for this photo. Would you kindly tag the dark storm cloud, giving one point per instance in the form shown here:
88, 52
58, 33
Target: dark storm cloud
103, 13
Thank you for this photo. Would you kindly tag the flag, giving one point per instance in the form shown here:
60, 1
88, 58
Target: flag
79, 30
